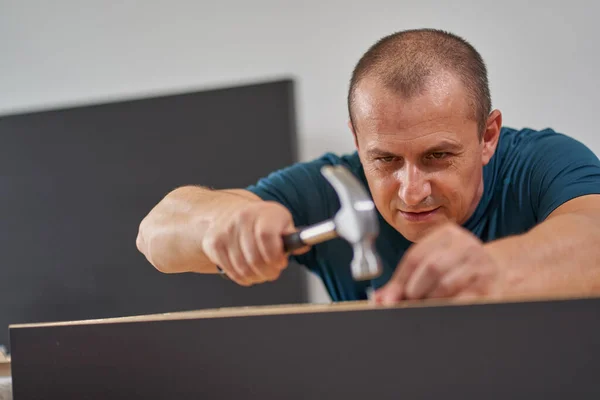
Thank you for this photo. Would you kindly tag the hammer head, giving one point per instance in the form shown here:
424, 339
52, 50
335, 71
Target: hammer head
356, 221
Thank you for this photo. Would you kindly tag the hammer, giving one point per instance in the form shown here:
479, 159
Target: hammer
356, 222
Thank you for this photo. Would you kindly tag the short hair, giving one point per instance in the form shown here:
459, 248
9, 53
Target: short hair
404, 61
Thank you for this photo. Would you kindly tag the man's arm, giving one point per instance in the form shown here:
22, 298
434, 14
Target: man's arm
558, 257
194, 229
168, 235
561, 255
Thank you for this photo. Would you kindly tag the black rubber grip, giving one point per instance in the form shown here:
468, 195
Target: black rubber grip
292, 242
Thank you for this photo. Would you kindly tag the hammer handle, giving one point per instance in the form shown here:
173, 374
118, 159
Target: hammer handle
309, 236
305, 237
293, 242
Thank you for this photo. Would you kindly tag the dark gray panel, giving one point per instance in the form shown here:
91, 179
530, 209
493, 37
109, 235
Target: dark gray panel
539, 350
75, 183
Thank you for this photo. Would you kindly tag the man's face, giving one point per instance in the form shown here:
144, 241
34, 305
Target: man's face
422, 157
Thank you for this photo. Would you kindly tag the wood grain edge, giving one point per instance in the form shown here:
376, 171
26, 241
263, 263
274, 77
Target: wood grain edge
278, 309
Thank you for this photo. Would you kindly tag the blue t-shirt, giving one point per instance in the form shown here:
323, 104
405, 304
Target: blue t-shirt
531, 174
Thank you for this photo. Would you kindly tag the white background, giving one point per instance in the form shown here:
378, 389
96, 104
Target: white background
543, 57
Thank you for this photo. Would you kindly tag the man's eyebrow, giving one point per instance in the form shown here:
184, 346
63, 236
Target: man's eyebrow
443, 146
376, 152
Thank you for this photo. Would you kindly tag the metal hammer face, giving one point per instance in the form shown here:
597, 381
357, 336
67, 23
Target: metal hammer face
356, 222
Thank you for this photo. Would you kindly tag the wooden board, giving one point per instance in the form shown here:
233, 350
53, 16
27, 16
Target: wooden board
4, 368
523, 349
4, 364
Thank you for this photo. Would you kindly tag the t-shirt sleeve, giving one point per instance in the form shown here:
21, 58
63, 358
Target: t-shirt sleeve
561, 169
304, 191
301, 188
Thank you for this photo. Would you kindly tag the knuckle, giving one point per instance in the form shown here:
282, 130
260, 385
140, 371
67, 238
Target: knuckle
473, 251
245, 215
449, 230
410, 261
208, 242
432, 270
411, 253
218, 240
227, 231
264, 235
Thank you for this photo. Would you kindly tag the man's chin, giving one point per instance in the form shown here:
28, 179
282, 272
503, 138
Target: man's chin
415, 232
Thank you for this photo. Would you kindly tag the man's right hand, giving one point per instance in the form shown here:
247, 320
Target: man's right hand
247, 244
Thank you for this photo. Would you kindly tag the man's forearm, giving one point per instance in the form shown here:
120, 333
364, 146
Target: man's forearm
170, 235
559, 256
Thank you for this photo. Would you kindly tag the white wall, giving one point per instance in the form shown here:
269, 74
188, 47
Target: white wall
543, 59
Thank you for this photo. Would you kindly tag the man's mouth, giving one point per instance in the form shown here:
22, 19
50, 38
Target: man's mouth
420, 216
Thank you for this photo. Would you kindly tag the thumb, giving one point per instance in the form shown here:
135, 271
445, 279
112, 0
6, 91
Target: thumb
300, 251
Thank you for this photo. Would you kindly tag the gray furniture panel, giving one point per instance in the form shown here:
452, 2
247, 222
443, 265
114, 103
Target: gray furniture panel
76, 182
547, 349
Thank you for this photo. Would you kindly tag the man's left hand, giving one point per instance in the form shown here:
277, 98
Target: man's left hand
450, 262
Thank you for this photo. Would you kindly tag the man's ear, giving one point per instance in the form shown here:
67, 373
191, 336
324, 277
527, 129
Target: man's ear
353, 133
491, 136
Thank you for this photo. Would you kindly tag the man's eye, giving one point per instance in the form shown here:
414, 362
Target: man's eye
386, 159
437, 155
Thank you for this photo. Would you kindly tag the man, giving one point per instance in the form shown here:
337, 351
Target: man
466, 207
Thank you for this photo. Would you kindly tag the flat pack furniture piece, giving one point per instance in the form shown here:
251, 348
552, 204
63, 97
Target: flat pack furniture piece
77, 181
522, 349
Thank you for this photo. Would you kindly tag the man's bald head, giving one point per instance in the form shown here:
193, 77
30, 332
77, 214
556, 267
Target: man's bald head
407, 62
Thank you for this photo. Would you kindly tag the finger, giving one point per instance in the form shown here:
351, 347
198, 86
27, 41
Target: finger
389, 294
301, 250
433, 268
438, 240
252, 255
455, 281
209, 247
467, 296
270, 244
395, 290
425, 278
238, 260
223, 261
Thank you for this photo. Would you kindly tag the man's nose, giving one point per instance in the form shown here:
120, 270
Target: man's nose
414, 186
